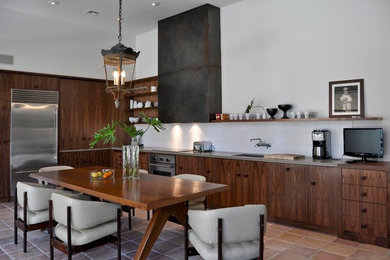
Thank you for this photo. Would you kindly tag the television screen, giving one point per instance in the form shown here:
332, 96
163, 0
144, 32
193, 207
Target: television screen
363, 142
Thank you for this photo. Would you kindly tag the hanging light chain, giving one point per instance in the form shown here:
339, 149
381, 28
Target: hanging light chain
120, 22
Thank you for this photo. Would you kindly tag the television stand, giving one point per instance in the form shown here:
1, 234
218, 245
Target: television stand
363, 160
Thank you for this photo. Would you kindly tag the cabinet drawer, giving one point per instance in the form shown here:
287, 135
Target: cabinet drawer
363, 193
365, 226
363, 209
364, 177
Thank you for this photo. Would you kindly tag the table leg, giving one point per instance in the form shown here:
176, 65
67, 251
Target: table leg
156, 224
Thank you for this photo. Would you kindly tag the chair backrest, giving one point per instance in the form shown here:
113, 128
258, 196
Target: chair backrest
192, 177
55, 168
38, 195
85, 213
239, 223
143, 171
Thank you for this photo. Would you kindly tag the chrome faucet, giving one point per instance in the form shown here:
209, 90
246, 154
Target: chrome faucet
260, 143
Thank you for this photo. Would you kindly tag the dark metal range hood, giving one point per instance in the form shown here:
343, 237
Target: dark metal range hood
189, 66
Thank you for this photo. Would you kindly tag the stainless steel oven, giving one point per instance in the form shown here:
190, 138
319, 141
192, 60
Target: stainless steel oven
162, 164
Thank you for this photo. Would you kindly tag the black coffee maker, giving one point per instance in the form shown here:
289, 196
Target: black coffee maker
321, 144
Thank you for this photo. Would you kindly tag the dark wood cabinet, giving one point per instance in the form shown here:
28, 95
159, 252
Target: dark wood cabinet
324, 196
365, 206
190, 164
84, 109
116, 160
307, 194
287, 197
246, 179
144, 161
85, 158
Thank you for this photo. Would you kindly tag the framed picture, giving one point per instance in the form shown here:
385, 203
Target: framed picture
346, 98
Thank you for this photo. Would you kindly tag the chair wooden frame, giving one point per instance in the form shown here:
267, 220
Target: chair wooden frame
191, 251
22, 225
71, 250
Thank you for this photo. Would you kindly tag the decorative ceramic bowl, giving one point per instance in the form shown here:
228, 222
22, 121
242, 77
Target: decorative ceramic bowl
272, 112
285, 108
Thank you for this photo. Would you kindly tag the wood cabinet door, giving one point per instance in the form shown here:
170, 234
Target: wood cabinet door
221, 171
84, 109
85, 159
278, 190
211, 174
144, 161
116, 159
190, 164
227, 174
287, 192
298, 193
324, 195
254, 183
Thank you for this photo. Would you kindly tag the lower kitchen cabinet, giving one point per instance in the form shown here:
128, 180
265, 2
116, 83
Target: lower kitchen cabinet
307, 194
287, 196
324, 196
365, 206
116, 160
85, 158
246, 179
190, 165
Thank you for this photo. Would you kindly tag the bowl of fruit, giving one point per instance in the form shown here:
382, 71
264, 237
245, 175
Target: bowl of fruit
101, 174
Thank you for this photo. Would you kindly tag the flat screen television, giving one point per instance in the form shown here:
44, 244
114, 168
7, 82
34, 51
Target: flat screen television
363, 142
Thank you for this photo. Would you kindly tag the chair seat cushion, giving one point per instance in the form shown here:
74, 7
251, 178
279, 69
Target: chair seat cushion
233, 251
35, 217
85, 236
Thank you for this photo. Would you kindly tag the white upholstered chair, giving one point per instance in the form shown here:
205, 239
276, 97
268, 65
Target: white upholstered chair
53, 168
227, 233
82, 224
199, 203
34, 212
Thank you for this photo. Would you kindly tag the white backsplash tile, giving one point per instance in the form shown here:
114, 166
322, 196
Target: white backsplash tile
287, 137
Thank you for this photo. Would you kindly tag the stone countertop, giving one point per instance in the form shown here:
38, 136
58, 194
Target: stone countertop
231, 155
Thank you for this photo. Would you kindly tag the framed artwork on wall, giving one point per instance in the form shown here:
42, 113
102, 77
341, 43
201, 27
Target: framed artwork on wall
346, 98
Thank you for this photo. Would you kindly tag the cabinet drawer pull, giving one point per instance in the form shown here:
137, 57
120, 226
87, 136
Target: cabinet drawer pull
246, 175
363, 178
363, 194
313, 183
363, 226
238, 175
208, 171
180, 168
287, 169
363, 210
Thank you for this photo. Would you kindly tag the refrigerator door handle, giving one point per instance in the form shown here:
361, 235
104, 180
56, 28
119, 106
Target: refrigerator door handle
56, 134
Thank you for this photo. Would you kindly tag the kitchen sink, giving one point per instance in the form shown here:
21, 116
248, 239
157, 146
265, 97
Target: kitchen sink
250, 155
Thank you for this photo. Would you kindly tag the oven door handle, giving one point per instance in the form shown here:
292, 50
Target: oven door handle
161, 165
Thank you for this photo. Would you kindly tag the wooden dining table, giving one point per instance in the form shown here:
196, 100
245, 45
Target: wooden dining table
167, 196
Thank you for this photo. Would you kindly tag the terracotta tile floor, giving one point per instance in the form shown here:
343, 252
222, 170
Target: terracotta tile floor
281, 242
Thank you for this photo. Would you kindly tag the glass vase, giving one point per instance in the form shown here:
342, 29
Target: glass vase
126, 162
134, 159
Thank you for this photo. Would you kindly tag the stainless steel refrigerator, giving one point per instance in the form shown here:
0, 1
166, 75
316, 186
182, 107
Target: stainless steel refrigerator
34, 132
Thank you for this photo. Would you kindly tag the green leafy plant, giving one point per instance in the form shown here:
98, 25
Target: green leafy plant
250, 106
108, 133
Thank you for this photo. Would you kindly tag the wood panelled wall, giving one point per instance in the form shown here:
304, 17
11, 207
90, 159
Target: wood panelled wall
84, 107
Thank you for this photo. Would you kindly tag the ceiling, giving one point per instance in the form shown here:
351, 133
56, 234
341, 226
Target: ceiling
139, 16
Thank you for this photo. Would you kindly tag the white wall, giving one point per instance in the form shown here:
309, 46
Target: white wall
147, 44
283, 51
53, 46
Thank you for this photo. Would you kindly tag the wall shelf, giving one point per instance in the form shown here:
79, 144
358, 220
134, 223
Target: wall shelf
302, 120
144, 108
143, 94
